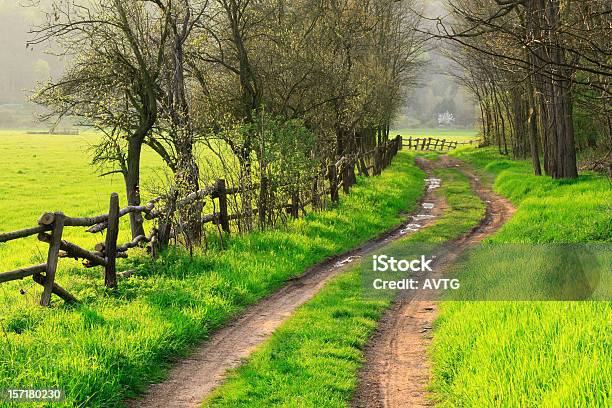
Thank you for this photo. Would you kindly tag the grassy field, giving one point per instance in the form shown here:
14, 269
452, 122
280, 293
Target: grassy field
113, 344
46, 173
313, 358
538, 354
459, 135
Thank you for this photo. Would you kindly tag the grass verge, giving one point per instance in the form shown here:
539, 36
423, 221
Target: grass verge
313, 358
536, 354
114, 343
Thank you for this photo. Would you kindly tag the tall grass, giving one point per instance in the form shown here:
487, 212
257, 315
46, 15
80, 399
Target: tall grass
530, 354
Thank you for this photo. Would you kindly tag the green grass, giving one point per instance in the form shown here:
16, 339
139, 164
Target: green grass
46, 173
537, 354
459, 135
113, 344
313, 358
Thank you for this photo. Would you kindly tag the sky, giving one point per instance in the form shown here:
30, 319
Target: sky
21, 68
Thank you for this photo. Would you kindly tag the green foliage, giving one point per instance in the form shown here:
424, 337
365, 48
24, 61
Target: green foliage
115, 343
283, 148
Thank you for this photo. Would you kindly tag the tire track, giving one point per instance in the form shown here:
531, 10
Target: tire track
397, 370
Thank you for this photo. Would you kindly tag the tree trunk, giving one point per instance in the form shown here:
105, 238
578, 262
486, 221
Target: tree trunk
532, 121
552, 80
132, 184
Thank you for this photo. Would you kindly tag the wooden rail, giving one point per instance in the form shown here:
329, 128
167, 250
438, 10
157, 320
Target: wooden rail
51, 226
430, 143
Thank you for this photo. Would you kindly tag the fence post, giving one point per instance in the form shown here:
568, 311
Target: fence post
346, 177
112, 233
53, 255
388, 147
423, 144
333, 182
223, 215
442, 147
295, 203
410, 143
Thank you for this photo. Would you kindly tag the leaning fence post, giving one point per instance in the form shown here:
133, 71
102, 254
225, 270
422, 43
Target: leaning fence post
223, 215
53, 254
333, 182
112, 233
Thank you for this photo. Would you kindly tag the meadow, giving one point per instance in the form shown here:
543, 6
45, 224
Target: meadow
47, 173
114, 343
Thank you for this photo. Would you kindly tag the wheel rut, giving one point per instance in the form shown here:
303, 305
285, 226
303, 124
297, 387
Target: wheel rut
397, 370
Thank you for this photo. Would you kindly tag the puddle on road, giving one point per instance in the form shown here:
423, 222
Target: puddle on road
346, 261
432, 183
411, 228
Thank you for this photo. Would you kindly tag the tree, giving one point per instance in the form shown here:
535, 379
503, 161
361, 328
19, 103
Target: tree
116, 54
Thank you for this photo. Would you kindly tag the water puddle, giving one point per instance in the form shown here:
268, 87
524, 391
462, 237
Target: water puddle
346, 261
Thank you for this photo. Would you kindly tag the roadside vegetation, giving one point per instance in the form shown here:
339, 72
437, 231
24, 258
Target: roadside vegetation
313, 358
114, 343
552, 354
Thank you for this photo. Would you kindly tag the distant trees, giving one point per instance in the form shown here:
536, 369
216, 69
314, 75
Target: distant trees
532, 64
281, 86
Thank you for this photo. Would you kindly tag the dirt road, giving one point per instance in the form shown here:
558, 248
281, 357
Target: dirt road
192, 379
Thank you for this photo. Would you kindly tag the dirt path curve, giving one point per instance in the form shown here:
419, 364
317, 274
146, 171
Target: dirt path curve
192, 379
397, 369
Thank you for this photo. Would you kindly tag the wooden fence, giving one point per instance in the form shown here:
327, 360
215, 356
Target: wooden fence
50, 228
430, 143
